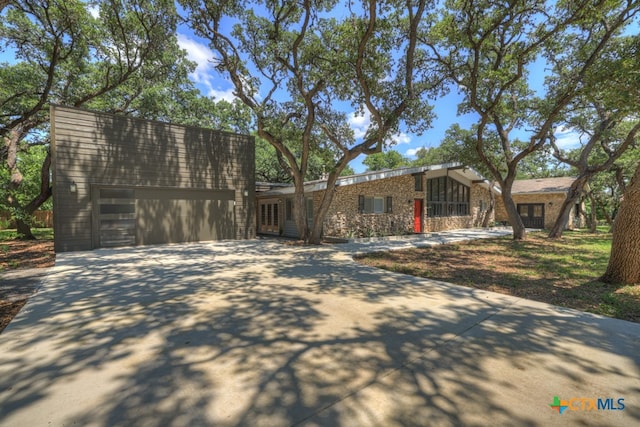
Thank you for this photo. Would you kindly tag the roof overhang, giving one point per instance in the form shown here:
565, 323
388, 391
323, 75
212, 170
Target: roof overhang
449, 168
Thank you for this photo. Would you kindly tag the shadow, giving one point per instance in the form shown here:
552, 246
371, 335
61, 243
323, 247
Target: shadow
252, 333
179, 183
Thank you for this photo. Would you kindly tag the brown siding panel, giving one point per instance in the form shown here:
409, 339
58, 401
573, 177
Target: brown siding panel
95, 150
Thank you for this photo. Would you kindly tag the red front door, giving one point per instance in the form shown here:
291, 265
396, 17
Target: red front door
417, 215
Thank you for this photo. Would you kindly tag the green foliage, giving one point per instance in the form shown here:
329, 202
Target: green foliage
124, 60
30, 161
490, 51
270, 169
297, 64
390, 159
39, 233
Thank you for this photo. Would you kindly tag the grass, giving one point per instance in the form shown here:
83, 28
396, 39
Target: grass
562, 271
39, 233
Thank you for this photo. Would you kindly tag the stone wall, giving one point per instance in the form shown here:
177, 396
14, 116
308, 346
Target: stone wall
344, 220
552, 203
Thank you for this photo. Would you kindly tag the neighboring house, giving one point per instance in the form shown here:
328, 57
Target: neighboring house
122, 181
539, 201
388, 202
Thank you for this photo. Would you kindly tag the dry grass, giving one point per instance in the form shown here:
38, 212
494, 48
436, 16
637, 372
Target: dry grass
561, 272
19, 254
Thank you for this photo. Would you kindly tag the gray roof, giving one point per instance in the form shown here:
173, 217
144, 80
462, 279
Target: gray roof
542, 185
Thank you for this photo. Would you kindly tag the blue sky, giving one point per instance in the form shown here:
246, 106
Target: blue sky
212, 84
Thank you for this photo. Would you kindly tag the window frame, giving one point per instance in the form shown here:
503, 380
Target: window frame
447, 197
375, 205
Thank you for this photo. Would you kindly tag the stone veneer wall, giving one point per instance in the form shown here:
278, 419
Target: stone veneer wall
343, 219
551, 211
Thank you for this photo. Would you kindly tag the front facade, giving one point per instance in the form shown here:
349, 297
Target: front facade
120, 181
539, 201
391, 202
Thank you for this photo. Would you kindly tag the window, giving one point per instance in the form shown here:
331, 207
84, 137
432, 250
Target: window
288, 210
309, 209
376, 205
418, 181
447, 197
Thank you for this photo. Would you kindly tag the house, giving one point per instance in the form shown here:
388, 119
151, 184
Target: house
125, 181
539, 201
388, 202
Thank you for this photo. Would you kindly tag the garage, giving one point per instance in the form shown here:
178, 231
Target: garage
120, 181
147, 216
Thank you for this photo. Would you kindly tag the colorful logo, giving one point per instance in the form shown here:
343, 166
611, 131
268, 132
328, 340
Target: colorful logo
587, 404
559, 405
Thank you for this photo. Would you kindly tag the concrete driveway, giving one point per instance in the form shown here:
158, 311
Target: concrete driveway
259, 333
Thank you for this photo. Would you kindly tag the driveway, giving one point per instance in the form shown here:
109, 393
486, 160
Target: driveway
261, 333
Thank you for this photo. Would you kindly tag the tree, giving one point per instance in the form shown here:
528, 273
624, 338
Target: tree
487, 50
606, 189
269, 164
624, 262
607, 114
112, 62
294, 62
30, 164
428, 156
389, 159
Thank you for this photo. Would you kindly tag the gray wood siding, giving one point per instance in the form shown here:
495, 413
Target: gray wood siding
158, 159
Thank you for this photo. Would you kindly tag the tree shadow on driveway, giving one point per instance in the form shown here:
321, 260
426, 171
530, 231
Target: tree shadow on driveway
260, 333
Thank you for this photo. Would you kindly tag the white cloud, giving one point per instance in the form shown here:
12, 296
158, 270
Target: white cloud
359, 123
219, 95
401, 138
567, 138
204, 74
411, 151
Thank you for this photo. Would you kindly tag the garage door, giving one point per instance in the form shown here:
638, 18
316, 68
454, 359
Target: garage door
144, 216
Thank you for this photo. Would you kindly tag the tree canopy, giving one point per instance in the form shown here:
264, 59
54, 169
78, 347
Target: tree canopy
295, 63
119, 57
389, 159
489, 52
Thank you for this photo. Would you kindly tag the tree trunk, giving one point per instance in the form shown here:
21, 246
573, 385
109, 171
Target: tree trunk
593, 217
325, 204
492, 206
300, 210
573, 195
24, 230
519, 231
624, 262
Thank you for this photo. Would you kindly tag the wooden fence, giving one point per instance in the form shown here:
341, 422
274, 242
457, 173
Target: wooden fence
41, 219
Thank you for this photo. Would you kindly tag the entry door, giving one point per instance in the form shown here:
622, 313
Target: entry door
532, 214
269, 220
418, 205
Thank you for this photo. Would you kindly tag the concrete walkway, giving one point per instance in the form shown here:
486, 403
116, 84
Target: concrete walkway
260, 333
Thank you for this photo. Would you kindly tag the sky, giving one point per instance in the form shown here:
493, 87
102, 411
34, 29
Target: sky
211, 83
